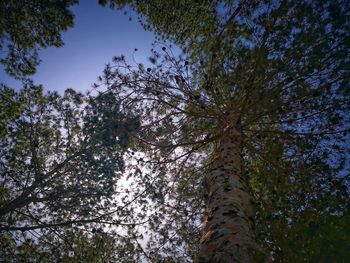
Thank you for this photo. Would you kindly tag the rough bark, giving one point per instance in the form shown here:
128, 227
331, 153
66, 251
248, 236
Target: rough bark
228, 232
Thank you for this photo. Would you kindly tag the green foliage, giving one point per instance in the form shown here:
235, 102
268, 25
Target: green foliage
304, 208
282, 69
74, 246
61, 157
26, 26
325, 238
278, 70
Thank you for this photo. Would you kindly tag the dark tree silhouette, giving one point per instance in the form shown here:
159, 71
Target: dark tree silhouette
61, 157
26, 26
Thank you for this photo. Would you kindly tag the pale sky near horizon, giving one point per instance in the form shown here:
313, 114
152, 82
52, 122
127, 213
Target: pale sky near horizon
99, 33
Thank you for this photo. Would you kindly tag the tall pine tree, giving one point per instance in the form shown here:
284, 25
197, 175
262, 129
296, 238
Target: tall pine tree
254, 116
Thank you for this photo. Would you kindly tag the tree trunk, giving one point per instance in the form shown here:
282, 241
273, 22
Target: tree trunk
228, 232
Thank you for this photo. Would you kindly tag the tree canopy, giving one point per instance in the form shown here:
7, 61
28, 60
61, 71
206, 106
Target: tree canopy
236, 150
26, 26
282, 67
61, 157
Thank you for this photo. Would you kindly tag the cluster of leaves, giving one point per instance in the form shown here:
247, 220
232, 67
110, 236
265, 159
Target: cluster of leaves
26, 26
72, 246
305, 209
60, 159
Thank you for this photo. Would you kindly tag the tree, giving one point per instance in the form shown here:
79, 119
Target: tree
26, 26
61, 157
255, 116
75, 246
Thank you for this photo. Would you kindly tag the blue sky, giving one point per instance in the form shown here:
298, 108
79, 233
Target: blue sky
99, 34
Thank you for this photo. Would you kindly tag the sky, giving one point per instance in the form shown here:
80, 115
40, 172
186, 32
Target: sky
99, 34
